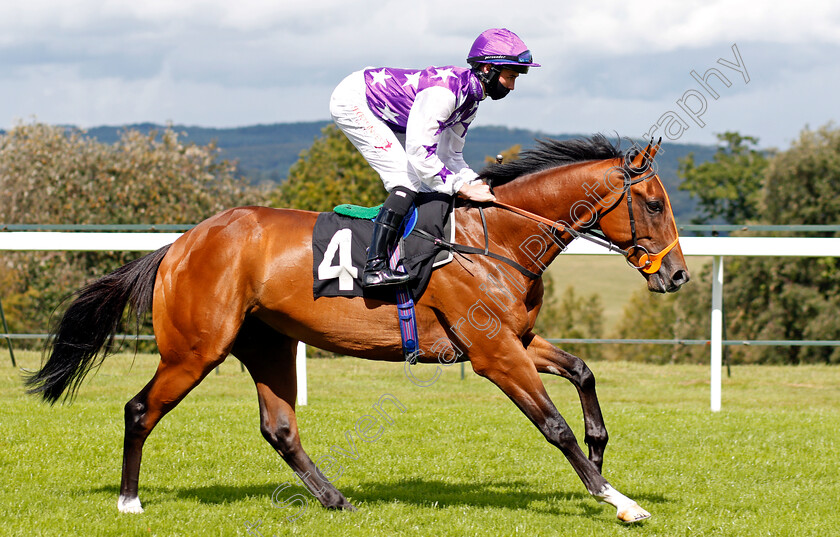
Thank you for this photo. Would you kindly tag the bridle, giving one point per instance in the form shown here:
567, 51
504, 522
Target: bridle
648, 263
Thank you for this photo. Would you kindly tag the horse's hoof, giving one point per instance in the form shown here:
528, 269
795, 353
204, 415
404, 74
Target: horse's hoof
347, 506
632, 513
129, 505
343, 505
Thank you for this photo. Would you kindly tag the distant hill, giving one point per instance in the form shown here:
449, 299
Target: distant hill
266, 152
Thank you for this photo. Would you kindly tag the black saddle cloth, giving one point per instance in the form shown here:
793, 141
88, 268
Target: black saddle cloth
339, 251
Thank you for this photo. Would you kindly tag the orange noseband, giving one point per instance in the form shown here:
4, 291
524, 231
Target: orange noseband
650, 263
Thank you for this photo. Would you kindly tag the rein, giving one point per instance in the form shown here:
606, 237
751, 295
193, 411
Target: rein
650, 263
590, 236
464, 249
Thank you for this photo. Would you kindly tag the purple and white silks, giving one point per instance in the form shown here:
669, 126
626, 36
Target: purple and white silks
434, 108
427, 110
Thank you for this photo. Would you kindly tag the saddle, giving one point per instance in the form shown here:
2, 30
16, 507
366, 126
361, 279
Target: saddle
340, 240
339, 249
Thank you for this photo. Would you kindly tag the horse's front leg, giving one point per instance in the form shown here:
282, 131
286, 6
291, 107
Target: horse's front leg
510, 368
549, 359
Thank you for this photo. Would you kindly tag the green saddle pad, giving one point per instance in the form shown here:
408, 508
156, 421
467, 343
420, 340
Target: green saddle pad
357, 211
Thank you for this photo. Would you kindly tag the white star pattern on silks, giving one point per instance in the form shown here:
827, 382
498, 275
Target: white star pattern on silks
444, 74
387, 113
412, 80
379, 77
461, 119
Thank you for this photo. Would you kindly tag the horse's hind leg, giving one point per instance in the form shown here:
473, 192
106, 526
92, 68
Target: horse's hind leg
270, 358
549, 359
173, 380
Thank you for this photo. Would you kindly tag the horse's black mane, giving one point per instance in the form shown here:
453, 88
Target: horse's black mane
551, 154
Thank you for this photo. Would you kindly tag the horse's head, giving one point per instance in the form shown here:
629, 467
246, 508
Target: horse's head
585, 184
641, 222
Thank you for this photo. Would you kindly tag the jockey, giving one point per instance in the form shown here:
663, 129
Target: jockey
410, 126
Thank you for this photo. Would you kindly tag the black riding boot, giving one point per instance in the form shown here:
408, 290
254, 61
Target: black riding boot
386, 229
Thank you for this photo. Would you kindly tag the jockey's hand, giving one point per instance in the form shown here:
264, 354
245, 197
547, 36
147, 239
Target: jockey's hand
479, 192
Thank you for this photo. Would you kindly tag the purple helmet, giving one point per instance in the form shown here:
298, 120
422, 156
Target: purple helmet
500, 46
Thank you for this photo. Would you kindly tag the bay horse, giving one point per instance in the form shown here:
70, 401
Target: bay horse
241, 283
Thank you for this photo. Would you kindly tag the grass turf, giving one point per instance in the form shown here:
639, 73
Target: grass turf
609, 277
461, 459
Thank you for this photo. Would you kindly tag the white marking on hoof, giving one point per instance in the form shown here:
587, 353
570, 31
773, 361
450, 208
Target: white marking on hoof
627, 510
632, 514
129, 505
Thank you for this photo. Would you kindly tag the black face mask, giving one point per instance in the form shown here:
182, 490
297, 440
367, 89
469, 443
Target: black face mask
495, 90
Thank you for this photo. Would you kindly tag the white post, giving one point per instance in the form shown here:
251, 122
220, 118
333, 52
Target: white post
717, 330
301, 373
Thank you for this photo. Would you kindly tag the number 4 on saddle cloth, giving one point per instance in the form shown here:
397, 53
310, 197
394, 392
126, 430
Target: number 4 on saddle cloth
340, 241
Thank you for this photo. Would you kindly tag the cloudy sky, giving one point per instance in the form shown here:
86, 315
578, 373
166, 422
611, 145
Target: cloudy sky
610, 66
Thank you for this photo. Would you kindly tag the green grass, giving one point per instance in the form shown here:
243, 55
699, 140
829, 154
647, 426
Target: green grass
461, 460
610, 277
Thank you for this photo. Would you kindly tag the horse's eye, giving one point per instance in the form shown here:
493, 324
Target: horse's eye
655, 206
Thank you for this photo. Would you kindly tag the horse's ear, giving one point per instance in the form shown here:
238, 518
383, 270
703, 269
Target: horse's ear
646, 156
640, 158
655, 148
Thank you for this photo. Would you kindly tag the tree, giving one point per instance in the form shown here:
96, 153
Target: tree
769, 298
329, 173
683, 315
792, 298
802, 183
50, 175
569, 316
508, 155
728, 187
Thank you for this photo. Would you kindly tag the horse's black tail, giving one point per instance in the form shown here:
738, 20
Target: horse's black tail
84, 335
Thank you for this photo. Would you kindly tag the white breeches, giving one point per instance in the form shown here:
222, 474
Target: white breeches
382, 148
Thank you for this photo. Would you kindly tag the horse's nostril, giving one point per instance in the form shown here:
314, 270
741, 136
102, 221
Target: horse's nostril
680, 277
